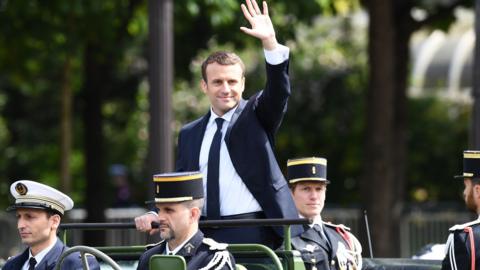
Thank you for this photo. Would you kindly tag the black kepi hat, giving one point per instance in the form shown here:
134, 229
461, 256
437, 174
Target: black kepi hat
178, 187
307, 169
471, 164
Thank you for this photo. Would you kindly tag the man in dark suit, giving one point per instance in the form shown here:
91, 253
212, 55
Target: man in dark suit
179, 198
39, 209
463, 244
233, 144
323, 245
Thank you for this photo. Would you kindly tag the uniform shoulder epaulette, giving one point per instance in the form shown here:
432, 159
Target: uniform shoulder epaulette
214, 245
221, 258
149, 246
463, 226
329, 224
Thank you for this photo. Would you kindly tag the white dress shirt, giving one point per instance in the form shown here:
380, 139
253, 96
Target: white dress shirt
39, 257
235, 198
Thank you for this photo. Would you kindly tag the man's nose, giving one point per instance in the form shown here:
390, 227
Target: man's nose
225, 86
20, 223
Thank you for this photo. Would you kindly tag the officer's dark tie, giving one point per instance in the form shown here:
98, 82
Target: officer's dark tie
32, 263
213, 190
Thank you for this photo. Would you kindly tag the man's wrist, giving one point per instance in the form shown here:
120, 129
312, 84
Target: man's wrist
270, 44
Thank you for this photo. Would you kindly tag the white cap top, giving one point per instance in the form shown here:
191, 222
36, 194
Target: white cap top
31, 194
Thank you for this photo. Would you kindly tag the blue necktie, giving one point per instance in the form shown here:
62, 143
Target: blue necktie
32, 263
213, 190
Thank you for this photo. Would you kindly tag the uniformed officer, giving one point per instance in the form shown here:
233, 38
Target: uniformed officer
323, 245
179, 200
463, 244
39, 210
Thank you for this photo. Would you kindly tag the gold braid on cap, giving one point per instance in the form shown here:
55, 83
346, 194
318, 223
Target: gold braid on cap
41, 199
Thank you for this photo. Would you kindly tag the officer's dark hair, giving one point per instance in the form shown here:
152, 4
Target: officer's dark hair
53, 212
222, 58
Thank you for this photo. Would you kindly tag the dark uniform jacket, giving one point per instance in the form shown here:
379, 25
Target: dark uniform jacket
250, 142
339, 250
71, 262
461, 250
198, 252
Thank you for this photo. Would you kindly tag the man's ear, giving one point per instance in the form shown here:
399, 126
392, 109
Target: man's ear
55, 221
203, 86
195, 213
476, 190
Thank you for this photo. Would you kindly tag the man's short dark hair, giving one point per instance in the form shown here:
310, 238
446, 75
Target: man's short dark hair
222, 58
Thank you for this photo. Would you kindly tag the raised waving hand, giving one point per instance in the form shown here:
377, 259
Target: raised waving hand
260, 22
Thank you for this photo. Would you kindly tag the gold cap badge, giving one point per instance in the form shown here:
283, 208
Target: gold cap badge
21, 189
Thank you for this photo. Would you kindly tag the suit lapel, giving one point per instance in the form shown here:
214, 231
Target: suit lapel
238, 111
50, 259
197, 139
331, 235
314, 236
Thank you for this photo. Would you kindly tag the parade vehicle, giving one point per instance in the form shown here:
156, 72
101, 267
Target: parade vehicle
247, 256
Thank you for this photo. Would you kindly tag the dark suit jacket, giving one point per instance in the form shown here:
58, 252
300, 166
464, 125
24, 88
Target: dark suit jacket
197, 254
318, 251
250, 142
460, 247
71, 262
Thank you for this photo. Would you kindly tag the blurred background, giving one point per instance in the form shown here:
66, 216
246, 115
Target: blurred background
93, 94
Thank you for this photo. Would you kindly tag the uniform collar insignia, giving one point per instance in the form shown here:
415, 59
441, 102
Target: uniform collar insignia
188, 248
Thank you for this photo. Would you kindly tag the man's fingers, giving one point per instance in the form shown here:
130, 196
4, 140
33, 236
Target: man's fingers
265, 8
246, 13
256, 7
251, 9
143, 223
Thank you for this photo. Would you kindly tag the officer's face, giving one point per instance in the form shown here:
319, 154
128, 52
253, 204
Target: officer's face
36, 227
469, 194
224, 86
175, 220
309, 198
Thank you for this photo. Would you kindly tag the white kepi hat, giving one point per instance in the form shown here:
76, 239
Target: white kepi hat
31, 194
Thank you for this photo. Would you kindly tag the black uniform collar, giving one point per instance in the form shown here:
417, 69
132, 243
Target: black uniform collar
190, 247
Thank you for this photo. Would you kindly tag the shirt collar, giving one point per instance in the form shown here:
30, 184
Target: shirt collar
316, 220
227, 116
39, 257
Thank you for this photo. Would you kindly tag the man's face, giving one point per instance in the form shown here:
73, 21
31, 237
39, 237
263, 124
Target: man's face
309, 198
175, 220
36, 227
468, 194
224, 86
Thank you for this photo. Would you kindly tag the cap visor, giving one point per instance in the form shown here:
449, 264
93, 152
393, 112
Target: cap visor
31, 206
